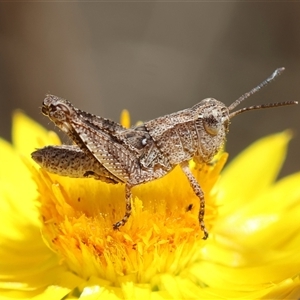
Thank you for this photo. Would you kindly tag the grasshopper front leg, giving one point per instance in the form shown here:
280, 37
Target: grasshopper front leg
198, 191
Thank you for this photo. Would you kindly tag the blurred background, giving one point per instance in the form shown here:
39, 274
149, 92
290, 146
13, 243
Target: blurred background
153, 58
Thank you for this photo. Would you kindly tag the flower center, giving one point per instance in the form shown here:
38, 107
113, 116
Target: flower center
161, 235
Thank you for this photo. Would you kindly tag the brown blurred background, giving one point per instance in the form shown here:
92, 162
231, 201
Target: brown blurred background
153, 58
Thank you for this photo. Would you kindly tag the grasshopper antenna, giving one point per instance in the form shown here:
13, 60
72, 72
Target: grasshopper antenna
275, 74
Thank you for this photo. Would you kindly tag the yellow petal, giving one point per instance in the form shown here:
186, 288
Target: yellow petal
27, 265
256, 243
125, 118
61, 286
252, 171
28, 135
286, 290
15, 179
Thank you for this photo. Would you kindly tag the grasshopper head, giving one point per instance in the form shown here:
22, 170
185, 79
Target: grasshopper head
213, 118
212, 123
58, 110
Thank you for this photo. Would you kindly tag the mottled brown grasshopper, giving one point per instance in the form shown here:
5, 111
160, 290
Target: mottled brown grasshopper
107, 151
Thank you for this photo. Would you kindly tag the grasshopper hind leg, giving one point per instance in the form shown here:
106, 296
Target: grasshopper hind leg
127, 215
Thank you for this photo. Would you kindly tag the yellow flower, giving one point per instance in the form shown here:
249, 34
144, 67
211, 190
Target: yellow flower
57, 240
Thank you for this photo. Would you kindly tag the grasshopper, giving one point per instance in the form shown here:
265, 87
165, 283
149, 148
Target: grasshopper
105, 150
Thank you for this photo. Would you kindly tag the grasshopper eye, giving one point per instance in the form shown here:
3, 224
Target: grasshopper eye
212, 125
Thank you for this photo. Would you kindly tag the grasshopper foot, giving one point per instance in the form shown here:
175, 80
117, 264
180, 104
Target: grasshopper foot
204, 230
117, 225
